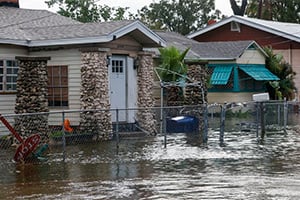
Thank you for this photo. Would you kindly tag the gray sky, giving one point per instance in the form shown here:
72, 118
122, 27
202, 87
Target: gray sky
134, 5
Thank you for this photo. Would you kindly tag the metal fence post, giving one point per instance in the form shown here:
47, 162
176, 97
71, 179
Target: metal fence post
165, 128
257, 118
117, 130
278, 114
205, 131
285, 114
63, 136
222, 124
262, 120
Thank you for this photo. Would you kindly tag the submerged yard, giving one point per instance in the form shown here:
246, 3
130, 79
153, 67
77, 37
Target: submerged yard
241, 168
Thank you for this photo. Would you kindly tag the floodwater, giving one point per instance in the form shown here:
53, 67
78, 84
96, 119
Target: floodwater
241, 168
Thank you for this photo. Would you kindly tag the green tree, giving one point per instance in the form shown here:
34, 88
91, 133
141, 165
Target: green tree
88, 10
171, 71
172, 67
181, 16
285, 87
279, 10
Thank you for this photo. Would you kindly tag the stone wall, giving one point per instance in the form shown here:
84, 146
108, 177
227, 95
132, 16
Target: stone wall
94, 94
196, 93
32, 92
146, 118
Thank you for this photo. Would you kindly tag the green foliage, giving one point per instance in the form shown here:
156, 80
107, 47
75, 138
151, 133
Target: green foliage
172, 67
279, 10
88, 10
285, 87
57, 134
183, 16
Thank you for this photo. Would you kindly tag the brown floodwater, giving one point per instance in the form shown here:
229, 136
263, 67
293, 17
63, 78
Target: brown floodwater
241, 168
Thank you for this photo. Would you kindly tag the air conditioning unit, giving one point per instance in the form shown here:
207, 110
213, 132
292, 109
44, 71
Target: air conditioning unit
261, 97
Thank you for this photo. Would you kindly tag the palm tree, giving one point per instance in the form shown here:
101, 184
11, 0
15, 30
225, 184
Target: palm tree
172, 71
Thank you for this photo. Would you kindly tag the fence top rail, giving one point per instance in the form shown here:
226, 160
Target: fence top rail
270, 102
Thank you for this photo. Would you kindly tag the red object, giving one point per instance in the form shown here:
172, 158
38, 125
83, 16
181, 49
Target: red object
67, 126
211, 21
26, 147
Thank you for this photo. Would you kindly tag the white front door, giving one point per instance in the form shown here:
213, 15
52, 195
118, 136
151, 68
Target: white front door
117, 79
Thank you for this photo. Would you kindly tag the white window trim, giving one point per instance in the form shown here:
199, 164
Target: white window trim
235, 26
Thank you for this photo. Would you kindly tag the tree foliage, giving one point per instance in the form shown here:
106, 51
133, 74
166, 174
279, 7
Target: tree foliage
88, 10
279, 10
181, 16
172, 67
285, 87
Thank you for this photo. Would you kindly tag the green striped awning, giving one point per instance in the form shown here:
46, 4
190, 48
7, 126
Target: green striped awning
259, 72
221, 75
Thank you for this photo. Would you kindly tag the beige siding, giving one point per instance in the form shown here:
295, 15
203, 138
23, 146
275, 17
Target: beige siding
10, 52
222, 97
252, 57
7, 104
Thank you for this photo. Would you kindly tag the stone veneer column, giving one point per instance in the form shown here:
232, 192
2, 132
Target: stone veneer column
94, 94
196, 94
146, 118
32, 92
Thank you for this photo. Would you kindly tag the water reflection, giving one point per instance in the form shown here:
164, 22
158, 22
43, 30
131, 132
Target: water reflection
241, 169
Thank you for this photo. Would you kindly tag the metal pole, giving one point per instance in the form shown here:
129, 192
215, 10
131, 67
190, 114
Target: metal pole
205, 131
161, 107
117, 130
285, 115
222, 128
278, 114
257, 118
165, 132
63, 136
262, 120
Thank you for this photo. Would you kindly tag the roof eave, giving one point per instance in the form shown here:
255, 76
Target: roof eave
246, 22
70, 41
137, 25
210, 27
14, 42
218, 59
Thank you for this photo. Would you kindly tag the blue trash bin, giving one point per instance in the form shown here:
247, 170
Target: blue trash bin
182, 124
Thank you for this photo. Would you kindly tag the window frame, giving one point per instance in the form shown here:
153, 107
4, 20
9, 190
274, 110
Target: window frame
58, 86
5, 76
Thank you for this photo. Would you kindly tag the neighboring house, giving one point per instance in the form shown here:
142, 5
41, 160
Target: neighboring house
284, 38
236, 68
76, 52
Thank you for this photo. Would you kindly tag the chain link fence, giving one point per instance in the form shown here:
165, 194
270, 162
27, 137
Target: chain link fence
62, 132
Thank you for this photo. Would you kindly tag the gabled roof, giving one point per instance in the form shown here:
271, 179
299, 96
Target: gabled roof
287, 30
229, 50
34, 28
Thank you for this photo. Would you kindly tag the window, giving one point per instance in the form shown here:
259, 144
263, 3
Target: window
235, 26
117, 66
8, 75
58, 86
